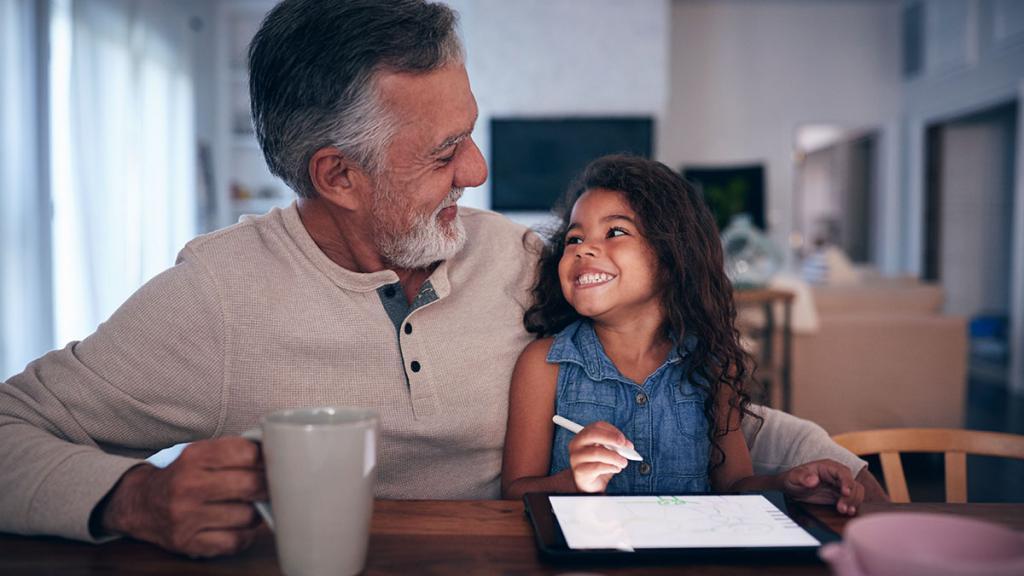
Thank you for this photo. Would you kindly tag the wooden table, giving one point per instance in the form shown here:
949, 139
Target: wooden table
415, 537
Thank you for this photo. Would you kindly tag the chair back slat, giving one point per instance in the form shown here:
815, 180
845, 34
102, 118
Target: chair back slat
956, 477
895, 482
954, 443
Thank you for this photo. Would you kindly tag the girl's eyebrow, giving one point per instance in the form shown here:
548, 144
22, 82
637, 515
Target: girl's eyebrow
608, 218
618, 217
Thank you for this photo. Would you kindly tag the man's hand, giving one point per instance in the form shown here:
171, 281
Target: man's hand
824, 482
873, 491
593, 465
200, 505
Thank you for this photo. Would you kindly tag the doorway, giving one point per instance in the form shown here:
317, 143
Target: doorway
835, 191
968, 221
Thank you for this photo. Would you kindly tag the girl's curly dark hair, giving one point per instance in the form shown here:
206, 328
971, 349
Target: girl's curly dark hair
697, 296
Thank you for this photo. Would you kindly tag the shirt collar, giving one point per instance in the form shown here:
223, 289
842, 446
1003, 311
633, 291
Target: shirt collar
578, 343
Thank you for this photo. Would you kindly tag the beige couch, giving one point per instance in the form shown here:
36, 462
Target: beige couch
884, 356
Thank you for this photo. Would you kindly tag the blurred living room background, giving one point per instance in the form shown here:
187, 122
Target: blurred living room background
862, 157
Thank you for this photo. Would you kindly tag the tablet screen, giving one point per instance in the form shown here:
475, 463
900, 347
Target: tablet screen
629, 523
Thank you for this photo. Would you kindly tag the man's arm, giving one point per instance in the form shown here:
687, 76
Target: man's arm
785, 442
77, 419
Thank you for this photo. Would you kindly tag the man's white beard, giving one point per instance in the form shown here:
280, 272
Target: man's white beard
425, 242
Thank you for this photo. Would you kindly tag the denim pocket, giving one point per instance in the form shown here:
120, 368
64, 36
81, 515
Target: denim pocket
688, 409
584, 412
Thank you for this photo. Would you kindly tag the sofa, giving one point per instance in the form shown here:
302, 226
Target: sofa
883, 355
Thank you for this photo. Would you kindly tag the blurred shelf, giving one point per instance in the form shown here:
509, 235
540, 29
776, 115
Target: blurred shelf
752, 296
243, 184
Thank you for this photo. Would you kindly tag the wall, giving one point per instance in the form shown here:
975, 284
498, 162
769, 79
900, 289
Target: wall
974, 60
563, 57
744, 75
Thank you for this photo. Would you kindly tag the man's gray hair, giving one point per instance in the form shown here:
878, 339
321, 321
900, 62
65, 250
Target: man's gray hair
313, 70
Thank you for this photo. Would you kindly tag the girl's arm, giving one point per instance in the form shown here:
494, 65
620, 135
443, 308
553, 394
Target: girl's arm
736, 474
823, 481
530, 432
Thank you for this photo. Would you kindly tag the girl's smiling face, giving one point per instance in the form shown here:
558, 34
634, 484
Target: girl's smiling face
608, 270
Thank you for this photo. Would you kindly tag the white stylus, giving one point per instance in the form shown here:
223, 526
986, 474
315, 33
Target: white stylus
627, 453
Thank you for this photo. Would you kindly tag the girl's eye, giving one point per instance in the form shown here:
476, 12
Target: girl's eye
574, 240
613, 232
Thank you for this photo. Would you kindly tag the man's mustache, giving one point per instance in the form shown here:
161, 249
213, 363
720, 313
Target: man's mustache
450, 199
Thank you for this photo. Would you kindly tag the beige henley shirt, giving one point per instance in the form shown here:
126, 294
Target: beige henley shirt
254, 318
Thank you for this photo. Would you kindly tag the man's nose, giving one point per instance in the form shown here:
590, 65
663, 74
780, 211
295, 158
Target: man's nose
472, 170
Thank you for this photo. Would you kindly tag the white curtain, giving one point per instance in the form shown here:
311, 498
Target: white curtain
25, 321
123, 152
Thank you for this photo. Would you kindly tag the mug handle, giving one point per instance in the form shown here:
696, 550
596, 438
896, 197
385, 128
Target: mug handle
262, 506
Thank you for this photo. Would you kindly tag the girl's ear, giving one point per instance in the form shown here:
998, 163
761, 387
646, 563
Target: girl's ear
338, 179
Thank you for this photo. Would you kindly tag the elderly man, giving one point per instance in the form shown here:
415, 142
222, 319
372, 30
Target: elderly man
374, 289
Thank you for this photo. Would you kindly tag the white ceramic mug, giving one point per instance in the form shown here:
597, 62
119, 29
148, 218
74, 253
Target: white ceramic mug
321, 467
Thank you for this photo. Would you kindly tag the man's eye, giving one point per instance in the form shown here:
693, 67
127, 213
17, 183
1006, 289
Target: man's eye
446, 160
613, 232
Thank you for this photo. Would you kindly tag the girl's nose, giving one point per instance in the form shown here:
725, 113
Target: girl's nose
587, 249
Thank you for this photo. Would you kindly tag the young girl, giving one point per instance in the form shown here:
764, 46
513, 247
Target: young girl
635, 319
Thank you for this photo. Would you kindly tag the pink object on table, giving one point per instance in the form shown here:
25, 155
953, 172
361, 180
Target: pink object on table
924, 544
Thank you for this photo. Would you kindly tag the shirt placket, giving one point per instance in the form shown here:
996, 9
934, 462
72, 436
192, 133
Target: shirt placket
643, 441
414, 362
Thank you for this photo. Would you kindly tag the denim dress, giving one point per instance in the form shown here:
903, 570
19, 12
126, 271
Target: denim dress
664, 417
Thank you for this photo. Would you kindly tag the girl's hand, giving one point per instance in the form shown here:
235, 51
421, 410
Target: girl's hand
824, 482
593, 465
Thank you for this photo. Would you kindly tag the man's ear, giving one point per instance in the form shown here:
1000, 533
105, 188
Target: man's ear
337, 178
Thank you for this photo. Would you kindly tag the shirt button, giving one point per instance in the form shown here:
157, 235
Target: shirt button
408, 328
389, 291
645, 468
641, 398
415, 366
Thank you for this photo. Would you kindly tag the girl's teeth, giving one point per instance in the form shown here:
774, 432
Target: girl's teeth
593, 278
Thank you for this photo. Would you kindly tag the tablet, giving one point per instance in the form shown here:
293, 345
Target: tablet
730, 527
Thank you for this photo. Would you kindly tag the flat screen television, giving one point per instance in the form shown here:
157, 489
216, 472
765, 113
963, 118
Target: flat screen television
533, 160
731, 190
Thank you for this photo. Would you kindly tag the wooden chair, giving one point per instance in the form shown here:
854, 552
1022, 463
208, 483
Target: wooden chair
955, 443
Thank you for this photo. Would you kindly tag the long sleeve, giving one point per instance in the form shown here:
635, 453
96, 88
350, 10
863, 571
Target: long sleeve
785, 441
76, 419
